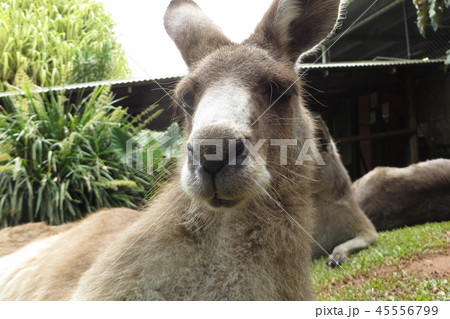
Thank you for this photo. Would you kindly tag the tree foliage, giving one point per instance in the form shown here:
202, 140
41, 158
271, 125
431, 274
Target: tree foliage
431, 12
57, 42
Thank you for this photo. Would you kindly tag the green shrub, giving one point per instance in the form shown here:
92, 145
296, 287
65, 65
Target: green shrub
60, 160
154, 153
56, 41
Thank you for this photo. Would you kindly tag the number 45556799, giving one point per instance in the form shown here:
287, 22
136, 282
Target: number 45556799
407, 310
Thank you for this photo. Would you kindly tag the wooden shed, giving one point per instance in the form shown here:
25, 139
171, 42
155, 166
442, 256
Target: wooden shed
390, 113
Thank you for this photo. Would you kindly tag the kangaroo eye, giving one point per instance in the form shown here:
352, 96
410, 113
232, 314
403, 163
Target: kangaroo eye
186, 100
280, 92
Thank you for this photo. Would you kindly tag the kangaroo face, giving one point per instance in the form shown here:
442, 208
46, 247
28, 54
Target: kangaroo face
237, 98
230, 118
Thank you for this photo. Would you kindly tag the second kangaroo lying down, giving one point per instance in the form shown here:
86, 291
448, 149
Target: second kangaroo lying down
396, 197
341, 226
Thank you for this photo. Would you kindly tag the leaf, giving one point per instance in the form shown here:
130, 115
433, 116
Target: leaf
435, 13
120, 140
173, 133
422, 15
171, 147
4, 157
149, 153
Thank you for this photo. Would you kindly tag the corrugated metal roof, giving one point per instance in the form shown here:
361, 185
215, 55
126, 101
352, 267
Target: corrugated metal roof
302, 68
367, 64
91, 85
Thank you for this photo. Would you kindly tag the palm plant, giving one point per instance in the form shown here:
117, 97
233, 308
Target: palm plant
60, 161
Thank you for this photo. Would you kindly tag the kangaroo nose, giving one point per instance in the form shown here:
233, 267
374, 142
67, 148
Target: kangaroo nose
214, 157
211, 159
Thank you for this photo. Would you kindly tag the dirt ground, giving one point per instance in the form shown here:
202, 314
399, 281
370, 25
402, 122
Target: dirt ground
434, 265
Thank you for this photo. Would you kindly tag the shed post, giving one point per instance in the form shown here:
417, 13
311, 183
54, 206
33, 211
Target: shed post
412, 121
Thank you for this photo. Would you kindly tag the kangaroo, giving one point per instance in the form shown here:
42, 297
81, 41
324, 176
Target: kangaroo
14, 238
396, 197
234, 223
341, 226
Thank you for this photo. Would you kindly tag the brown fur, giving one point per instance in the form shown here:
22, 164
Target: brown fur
397, 197
298, 35
181, 22
60, 259
228, 234
341, 226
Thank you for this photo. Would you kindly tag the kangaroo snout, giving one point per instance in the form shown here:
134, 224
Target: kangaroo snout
219, 169
214, 147
212, 155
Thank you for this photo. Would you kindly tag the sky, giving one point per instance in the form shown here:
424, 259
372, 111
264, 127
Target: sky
149, 50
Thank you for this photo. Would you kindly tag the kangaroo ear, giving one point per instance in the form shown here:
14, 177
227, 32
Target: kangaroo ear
292, 27
195, 35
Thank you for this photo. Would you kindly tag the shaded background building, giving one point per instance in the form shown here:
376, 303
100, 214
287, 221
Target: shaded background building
386, 30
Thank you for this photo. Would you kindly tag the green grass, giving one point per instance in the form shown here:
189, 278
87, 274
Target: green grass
378, 273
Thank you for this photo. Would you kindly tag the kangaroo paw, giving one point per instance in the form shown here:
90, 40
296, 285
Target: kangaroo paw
336, 259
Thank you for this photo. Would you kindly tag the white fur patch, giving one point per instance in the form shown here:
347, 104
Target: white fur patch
225, 103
